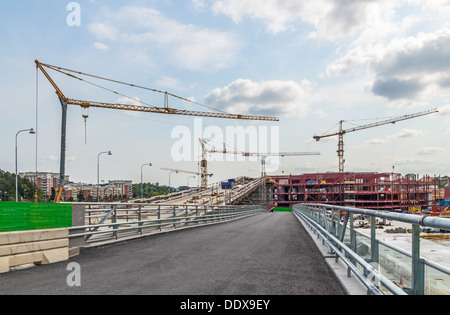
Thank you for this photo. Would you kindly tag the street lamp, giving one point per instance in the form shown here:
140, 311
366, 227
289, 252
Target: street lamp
32, 132
142, 190
98, 173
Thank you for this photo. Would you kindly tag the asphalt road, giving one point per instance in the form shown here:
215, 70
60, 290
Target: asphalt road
267, 254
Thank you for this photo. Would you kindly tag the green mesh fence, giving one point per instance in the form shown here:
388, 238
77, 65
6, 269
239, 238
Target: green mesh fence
282, 209
34, 216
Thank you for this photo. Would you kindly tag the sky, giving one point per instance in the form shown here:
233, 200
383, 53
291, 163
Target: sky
311, 63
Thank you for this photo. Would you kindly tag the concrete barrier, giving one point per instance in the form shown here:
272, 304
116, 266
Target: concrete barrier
33, 247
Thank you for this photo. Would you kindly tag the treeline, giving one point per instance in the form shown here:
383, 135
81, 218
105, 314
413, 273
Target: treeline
150, 190
26, 188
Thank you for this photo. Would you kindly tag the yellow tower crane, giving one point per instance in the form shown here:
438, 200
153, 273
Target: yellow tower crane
342, 132
65, 101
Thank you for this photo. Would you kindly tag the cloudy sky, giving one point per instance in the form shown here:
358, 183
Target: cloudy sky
312, 63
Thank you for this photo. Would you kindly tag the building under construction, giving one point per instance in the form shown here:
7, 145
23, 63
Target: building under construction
380, 191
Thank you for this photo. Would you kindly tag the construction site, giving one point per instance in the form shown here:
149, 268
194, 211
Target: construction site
378, 191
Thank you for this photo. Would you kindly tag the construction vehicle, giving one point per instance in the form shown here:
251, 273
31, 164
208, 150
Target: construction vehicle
65, 101
342, 132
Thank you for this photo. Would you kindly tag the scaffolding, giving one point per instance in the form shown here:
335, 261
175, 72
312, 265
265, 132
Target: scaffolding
378, 191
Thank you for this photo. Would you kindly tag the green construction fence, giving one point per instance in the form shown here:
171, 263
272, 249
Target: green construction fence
282, 209
21, 216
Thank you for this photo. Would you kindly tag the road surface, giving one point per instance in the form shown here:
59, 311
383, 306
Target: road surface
266, 254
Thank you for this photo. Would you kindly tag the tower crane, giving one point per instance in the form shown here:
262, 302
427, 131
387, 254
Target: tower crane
204, 161
342, 132
264, 156
65, 101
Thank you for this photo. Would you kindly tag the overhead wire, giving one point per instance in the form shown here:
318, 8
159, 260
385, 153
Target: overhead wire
63, 71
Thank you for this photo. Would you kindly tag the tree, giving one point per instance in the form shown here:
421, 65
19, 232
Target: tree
149, 190
26, 188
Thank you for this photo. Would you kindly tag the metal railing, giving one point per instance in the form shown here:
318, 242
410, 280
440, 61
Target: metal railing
381, 267
113, 221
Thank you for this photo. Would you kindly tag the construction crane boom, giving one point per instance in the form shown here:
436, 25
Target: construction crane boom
264, 156
149, 109
342, 132
182, 171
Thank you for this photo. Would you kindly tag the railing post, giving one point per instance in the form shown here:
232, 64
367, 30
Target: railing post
196, 214
174, 218
159, 218
418, 268
140, 219
373, 240
114, 220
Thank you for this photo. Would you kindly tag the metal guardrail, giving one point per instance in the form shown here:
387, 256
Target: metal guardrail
113, 221
381, 267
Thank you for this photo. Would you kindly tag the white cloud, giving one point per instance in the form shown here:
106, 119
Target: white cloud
101, 46
263, 98
407, 71
444, 110
411, 161
147, 30
168, 82
375, 141
331, 19
104, 31
431, 151
408, 133
437, 5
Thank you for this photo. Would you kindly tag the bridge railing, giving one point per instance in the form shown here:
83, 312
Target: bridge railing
111, 221
381, 267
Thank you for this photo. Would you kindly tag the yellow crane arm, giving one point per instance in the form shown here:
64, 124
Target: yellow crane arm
282, 154
182, 171
376, 124
148, 109
166, 110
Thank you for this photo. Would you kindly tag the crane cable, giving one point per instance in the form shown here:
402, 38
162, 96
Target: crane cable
63, 71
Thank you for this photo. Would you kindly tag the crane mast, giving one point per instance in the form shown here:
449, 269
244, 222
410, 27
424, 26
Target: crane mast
342, 132
65, 101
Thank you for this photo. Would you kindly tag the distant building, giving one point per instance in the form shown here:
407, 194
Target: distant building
45, 181
122, 189
125, 186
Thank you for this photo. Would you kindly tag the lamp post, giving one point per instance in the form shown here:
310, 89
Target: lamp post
142, 189
32, 132
98, 173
